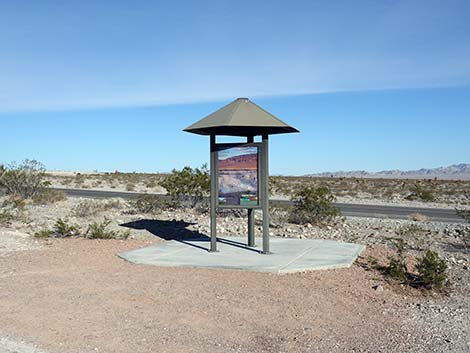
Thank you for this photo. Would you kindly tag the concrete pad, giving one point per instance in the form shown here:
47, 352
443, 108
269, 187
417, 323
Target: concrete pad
288, 255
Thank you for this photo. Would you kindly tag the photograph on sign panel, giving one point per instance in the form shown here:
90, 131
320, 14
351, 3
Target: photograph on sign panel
238, 176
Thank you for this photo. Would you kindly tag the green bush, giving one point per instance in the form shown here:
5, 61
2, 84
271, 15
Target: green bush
397, 266
188, 183
5, 217
62, 229
98, 230
418, 192
432, 270
313, 205
24, 180
43, 233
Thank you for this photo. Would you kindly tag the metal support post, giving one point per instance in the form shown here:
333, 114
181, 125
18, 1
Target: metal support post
251, 213
213, 174
265, 193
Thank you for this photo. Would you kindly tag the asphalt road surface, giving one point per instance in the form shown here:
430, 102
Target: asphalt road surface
347, 209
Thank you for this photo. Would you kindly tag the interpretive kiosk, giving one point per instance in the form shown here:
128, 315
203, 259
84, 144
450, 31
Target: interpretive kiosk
239, 171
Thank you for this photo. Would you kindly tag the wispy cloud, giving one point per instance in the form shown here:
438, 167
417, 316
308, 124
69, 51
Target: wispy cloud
128, 55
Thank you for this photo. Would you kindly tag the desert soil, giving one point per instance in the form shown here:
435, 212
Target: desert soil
75, 295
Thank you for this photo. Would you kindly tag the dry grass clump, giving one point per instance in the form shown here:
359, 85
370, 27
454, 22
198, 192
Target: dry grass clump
6, 216
412, 230
62, 229
418, 217
87, 208
48, 196
100, 230
96, 230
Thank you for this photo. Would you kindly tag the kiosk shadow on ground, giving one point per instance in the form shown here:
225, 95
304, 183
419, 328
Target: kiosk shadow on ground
178, 231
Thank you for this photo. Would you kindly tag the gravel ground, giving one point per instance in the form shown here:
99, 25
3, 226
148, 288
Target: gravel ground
8, 345
75, 295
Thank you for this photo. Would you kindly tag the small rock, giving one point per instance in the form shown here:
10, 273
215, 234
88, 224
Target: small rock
378, 287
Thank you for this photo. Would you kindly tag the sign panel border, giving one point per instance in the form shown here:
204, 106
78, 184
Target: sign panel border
222, 146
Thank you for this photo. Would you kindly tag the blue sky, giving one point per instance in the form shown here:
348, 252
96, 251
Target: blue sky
109, 85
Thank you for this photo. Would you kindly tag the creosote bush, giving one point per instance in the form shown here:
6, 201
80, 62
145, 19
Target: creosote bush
63, 229
432, 270
430, 267
188, 183
24, 180
397, 267
313, 205
99, 230
418, 192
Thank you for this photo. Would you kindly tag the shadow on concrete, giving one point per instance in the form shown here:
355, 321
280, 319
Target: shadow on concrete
178, 231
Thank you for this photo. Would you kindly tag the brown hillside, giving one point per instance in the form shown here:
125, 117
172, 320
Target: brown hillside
245, 161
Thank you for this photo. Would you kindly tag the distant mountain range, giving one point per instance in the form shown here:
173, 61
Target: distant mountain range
452, 172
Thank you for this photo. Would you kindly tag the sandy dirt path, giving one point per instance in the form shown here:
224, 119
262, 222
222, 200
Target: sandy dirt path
75, 295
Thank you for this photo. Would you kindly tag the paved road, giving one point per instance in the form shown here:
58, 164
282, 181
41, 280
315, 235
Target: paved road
347, 209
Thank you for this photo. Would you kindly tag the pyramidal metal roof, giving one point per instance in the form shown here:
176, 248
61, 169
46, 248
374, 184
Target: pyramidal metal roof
240, 118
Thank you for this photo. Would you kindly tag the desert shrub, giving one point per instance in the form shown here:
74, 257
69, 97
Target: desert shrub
99, 230
151, 183
86, 208
418, 192
373, 262
152, 204
48, 196
130, 187
62, 229
432, 270
397, 264
43, 233
24, 180
6, 216
16, 202
279, 215
313, 205
188, 183
411, 229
